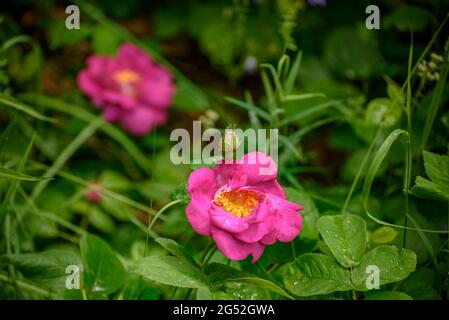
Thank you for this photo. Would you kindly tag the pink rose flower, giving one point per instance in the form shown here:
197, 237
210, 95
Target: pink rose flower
242, 206
130, 89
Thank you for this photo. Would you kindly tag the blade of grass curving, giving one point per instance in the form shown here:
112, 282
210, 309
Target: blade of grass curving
269, 93
300, 97
293, 74
277, 81
253, 118
75, 111
66, 154
296, 137
15, 183
308, 112
44, 148
290, 146
162, 210
249, 107
15, 175
371, 174
49, 215
11, 269
17, 105
27, 286
283, 67
360, 170
106, 192
11, 42
6, 134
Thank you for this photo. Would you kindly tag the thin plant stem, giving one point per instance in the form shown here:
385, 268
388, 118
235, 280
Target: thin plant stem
409, 160
151, 221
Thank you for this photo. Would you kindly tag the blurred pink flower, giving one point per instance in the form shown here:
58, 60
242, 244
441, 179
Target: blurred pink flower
130, 89
94, 192
241, 209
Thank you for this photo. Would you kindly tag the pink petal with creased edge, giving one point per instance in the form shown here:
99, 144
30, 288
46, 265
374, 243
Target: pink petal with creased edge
235, 249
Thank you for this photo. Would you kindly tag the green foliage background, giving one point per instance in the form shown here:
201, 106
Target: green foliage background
363, 121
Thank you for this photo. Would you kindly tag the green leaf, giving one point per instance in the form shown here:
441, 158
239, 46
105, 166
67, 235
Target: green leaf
47, 264
104, 41
188, 99
420, 285
315, 274
394, 92
345, 236
171, 271
242, 291
261, 283
137, 288
383, 112
100, 220
221, 274
175, 249
112, 180
359, 58
48, 269
437, 168
408, 18
60, 37
104, 273
388, 295
310, 213
383, 235
393, 265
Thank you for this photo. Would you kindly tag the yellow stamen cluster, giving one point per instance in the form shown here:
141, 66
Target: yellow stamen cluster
240, 203
126, 76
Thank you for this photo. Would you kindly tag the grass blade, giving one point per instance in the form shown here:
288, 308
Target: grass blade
11, 102
371, 174
15, 175
293, 75
110, 130
249, 107
65, 155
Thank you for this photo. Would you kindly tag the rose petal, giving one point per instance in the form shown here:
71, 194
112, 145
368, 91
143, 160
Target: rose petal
197, 213
227, 221
258, 167
202, 184
269, 187
259, 226
235, 249
141, 120
287, 221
